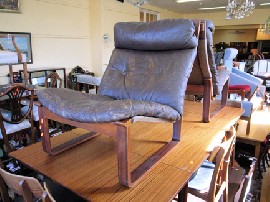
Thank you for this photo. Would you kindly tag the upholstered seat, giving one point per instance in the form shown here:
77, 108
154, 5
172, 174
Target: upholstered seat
146, 77
239, 87
12, 128
85, 107
14, 122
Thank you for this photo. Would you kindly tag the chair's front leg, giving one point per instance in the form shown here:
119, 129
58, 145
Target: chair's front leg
44, 128
177, 130
123, 155
224, 94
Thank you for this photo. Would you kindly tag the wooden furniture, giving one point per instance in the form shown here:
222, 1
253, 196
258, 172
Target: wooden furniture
211, 181
14, 59
13, 122
53, 81
90, 170
45, 72
89, 81
132, 98
28, 187
205, 80
242, 90
254, 139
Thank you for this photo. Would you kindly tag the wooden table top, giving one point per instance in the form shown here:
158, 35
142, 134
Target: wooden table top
90, 169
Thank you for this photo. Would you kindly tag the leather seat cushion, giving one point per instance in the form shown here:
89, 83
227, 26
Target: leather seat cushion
89, 108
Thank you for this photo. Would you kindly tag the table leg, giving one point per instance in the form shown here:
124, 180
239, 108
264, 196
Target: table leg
183, 194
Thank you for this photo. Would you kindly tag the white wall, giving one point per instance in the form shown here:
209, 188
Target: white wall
60, 32
111, 13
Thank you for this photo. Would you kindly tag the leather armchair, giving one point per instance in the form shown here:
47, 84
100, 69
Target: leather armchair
145, 80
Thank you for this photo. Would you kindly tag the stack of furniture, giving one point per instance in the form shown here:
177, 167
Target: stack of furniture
246, 88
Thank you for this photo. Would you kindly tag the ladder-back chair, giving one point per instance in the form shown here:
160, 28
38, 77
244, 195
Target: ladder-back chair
211, 180
28, 187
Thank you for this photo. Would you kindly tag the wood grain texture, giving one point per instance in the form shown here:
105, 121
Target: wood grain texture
90, 169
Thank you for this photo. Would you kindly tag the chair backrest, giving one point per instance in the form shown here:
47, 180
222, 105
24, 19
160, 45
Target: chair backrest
222, 157
261, 66
229, 55
204, 67
28, 187
201, 66
151, 67
53, 80
16, 93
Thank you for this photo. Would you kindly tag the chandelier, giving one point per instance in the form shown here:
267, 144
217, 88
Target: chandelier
138, 3
238, 9
265, 28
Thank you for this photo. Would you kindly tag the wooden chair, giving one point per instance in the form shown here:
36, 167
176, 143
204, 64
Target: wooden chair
53, 80
211, 181
27, 187
205, 80
13, 122
130, 91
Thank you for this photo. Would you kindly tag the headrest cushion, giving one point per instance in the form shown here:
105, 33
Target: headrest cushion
171, 34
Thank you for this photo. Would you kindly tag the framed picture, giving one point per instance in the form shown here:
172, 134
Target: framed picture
23, 41
10, 6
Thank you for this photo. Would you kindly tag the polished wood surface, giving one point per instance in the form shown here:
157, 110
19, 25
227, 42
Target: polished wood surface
90, 169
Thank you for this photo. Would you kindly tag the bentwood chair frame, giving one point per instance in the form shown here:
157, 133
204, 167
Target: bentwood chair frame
204, 57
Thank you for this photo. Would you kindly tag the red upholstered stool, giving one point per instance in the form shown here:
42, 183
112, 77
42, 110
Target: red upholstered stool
242, 90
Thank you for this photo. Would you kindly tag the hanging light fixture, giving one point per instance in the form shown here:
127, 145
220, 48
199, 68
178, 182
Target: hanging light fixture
265, 28
138, 3
238, 9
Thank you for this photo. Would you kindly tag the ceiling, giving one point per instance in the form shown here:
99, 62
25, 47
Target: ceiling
192, 7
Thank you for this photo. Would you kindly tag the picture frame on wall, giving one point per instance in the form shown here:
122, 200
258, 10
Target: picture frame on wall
22, 40
10, 6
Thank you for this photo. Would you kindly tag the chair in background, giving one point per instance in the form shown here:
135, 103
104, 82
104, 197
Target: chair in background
261, 69
239, 181
249, 87
205, 80
211, 181
53, 80
28, 187
13, 122
89, 82
130, 91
